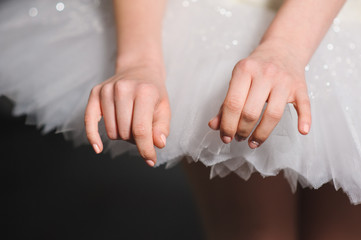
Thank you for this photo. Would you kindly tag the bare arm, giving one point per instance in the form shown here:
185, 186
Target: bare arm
139, 26
274, 73
302, 25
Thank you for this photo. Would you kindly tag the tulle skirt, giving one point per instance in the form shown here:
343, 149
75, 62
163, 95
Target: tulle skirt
53, 53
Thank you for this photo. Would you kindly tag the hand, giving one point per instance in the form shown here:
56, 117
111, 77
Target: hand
135, 106
270, 74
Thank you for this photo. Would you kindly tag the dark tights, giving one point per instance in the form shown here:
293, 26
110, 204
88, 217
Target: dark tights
266, 209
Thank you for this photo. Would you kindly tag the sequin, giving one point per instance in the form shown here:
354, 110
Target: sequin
336, 21
185, 3
224, 12
336, 29
228, 14
307, 68
60, 6
352, 46
330, 46
33, 12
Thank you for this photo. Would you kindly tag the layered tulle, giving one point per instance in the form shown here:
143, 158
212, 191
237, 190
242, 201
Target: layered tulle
51, 56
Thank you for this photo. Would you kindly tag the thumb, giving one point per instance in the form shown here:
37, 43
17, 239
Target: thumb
303, 108
161, 123
215, 122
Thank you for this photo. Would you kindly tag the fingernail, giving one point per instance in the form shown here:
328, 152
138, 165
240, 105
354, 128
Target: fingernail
239, 138
96, 148
226, 139
164, 140
253, 144
150, 162
306, 128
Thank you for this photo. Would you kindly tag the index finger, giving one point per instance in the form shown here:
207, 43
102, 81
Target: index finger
92, 117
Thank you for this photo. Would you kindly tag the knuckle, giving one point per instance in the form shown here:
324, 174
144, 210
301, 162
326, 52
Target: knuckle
121, 88
106, 90
247, 65
139, 130
270, 69
275, 114
233, 104
300, 86
145, 89
95, 90
87, 119
304, 102
249, 116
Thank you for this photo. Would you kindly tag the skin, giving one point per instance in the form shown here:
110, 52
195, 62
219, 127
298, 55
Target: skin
134, 102
274, 73
135, 107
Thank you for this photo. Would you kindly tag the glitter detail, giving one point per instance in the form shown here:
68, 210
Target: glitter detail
33, 12
330, 46
307, 68
185, 3
60, 6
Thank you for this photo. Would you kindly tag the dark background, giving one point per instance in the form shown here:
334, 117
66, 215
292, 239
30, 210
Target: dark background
56, 191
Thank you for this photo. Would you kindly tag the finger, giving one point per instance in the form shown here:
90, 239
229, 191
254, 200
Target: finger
91, 118
124, 100
233, 104
161, 122
144, 105
252, 109
303, 108
215, 122
108, 110
272, 115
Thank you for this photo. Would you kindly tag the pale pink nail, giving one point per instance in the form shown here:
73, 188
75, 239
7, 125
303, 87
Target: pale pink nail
164, 139
150, 162
306, 128
226, 139
96, 148
253, 144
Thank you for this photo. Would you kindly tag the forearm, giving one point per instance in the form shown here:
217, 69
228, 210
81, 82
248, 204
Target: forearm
302, 25
139, 27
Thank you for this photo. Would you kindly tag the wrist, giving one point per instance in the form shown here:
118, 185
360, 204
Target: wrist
145, 60
286, 49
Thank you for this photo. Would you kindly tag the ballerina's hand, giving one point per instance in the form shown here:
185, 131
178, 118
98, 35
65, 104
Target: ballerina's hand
135, 107
270, 74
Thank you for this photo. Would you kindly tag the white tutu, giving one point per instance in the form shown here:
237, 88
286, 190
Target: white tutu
53, 53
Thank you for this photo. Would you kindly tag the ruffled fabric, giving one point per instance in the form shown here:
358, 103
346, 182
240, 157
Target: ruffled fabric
52, 55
